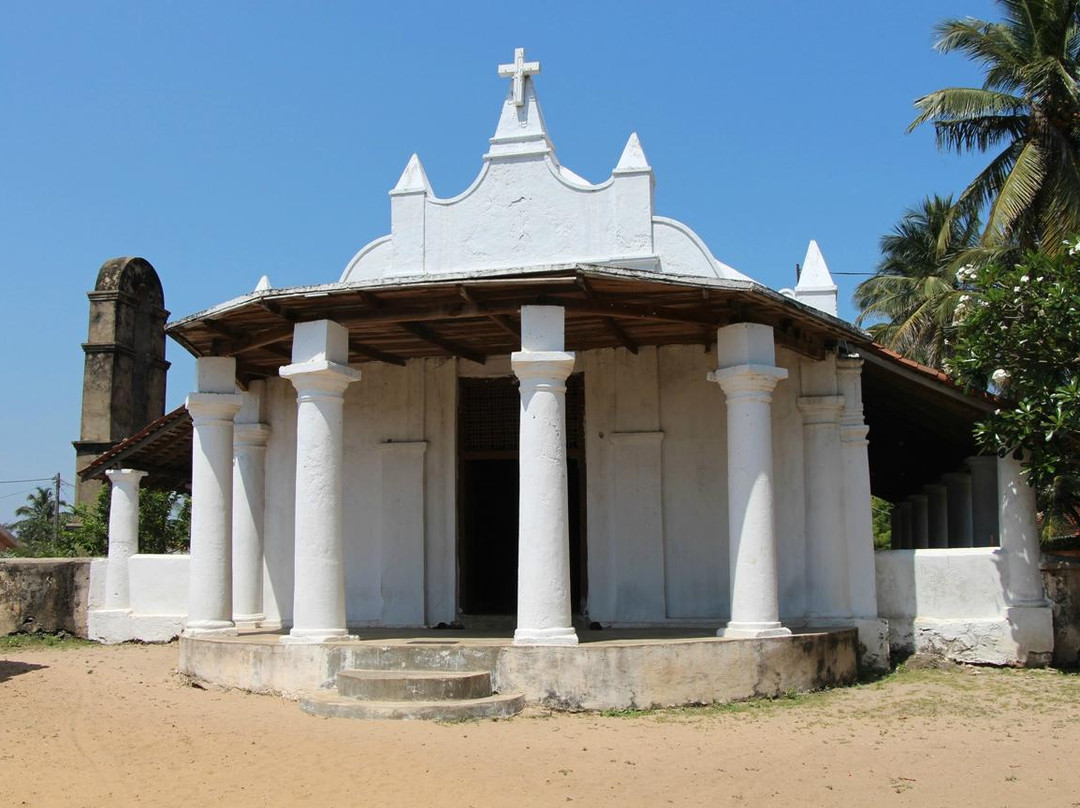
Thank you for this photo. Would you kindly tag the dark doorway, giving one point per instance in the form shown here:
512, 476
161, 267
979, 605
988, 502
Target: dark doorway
488, 424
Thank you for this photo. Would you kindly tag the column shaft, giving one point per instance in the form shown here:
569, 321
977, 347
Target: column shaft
123, 535
755, 610
920, 525
543, 600
320, 374
958, 486
249, 500
937, 515
210, 588
984, 500
827, 560
858, 508
1019, 535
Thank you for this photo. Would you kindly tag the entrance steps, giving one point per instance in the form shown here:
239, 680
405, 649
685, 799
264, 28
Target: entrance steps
437, 692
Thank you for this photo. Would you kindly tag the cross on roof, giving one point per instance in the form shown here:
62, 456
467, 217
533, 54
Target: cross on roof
518, 71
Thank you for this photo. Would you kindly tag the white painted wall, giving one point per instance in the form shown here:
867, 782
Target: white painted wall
942, 584
656, 510
399, 496
158, 586
953, 603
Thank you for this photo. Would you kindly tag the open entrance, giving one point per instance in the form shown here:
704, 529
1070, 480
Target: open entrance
488, 424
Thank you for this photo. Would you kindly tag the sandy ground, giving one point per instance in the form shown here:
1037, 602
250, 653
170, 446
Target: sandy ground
94, 726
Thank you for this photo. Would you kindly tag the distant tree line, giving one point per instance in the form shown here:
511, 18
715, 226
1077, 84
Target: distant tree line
987, 285
164, 525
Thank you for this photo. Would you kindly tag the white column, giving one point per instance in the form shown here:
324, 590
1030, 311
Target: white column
903, 512
895, 529
1019, 534
212, 409
320, 373
827, 551
542, 366
958, 485
249, 501
920, 526
123, 534
747, 374
984, 500
937, 515
858, 513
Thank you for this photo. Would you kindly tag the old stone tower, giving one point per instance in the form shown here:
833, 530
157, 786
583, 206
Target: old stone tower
124, 376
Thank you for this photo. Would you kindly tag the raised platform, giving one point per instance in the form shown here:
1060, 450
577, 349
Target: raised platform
609, 669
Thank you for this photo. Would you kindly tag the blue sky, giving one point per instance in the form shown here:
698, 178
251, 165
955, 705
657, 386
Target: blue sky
221, 141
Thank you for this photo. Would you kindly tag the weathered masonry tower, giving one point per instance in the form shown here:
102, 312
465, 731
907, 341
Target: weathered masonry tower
124, 376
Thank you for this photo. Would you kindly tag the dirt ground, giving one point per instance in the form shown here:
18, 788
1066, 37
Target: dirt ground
93, 725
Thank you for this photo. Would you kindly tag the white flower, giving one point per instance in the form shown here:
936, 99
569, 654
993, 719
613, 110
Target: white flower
1024, 279
1016, 288
1039, 279
964, 298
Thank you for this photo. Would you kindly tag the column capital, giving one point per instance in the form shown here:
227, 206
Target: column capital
207, 407
320, 377
538, 366
849, 365
125, 476
934, 488
821, 409
250, 436
748, 381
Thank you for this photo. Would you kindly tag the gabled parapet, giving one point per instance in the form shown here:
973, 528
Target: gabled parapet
525, 209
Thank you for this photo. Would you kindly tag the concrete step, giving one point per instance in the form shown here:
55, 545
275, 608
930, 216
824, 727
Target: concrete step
421, 654
413, 685
331, 704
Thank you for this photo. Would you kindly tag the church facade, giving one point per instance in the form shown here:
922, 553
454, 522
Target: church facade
541, 399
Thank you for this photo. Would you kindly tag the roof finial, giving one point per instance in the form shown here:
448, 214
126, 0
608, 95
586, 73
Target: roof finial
518, 71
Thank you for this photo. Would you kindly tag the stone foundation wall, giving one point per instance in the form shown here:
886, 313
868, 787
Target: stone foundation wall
1061, 575
44, 594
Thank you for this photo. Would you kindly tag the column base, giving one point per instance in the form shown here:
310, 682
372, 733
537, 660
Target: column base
314, 636
545, 636
752, 631
249, 621
209, 628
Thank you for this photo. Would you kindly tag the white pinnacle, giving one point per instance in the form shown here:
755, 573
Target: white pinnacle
816, 287
518, 71
413, 178
633, 157
264, 284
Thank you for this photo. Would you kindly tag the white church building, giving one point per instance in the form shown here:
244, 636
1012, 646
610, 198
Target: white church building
542, 411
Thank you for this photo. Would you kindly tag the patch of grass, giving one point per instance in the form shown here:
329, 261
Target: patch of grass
34, 641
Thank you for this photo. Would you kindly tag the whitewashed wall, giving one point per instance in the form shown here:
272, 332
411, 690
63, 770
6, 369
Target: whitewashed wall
159, 590
953, 603
656, 460
399, 479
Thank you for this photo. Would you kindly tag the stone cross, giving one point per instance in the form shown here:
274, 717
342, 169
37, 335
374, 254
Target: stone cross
518, 71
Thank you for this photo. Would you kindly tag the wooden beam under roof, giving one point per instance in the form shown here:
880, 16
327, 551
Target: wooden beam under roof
355, 346
610, 323
422, 332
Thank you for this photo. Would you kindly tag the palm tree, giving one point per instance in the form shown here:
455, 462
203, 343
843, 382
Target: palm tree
1029, 105
35, 527
915, 291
